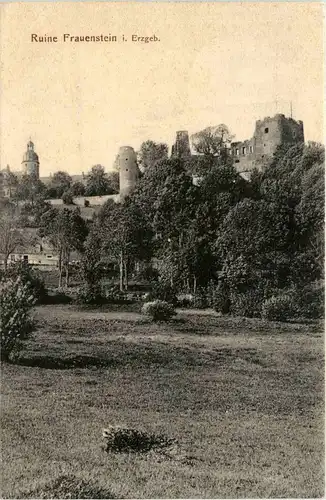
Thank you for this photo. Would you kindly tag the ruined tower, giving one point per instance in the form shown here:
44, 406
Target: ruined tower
128, 170
181, 147
270, 133
30, 163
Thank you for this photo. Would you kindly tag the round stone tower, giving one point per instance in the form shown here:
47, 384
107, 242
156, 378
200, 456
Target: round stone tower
30, 163
128, 170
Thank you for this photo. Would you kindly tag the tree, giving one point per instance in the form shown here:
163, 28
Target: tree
66, 231
60, 182
114, 181
98, 183
91, 263
125, 235
30, 214
11, 235
9, 180
212, 141
294, 180
67, 197
31, 189
252, 247
151, 153
77, 189
167, 199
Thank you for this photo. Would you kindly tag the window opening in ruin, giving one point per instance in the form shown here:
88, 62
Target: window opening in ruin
250, 149
237, 152
243, 150
266, 130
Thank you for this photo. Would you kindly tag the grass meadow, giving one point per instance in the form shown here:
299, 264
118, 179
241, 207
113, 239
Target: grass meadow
243, 398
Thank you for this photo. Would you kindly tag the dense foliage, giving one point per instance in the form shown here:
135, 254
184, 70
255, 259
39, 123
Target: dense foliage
16, 301
244, 247
28, 277
251, 242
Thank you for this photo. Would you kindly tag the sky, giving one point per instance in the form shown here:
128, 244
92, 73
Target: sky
214, 63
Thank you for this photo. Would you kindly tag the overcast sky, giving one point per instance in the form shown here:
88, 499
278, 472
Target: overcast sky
215, 63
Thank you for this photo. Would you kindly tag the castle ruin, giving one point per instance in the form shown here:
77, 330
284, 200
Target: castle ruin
181, 147
269, 134
128, 170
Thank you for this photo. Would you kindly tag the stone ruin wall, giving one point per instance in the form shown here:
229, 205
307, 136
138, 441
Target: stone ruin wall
269, 134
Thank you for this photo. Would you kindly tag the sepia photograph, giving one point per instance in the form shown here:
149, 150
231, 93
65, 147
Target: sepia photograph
162, 250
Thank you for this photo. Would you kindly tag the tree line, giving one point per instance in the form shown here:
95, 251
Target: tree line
235, 244
31, 189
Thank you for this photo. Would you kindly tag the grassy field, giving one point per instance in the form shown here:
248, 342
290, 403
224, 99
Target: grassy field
243, 398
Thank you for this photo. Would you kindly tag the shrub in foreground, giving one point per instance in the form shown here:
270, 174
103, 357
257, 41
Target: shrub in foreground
158, 310
29, 277
16, 301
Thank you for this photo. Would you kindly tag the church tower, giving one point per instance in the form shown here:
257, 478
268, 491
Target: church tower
30, 163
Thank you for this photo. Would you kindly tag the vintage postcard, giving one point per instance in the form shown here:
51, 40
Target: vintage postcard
162, 249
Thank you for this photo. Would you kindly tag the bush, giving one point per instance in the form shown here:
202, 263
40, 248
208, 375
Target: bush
67, 197
29, 277
125, 440
278, 308
16, 301
163, 291
185, 300
115, 296
202, 298
247, 304
221, 299
310, 301
158, 310
88, 295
